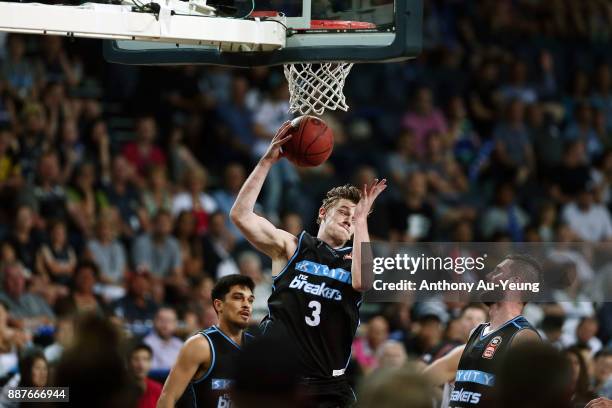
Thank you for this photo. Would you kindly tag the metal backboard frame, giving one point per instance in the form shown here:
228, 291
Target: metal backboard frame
402, 39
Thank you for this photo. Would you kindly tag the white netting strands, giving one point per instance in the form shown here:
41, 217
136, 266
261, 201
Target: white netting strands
316, 87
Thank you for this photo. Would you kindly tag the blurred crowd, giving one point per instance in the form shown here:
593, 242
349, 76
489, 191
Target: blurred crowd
116, 181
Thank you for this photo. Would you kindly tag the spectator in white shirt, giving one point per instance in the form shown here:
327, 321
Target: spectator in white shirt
270, 114
109, 254
590, 221
163, 342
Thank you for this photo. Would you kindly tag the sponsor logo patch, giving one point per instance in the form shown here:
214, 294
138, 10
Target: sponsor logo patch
489, 351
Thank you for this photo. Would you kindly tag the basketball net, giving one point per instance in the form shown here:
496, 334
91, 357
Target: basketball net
314, 87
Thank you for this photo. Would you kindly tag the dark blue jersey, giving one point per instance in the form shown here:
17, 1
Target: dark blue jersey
314, 305
212, 388
477, 368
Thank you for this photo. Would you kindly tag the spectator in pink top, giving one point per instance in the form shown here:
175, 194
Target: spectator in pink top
365, 347
424, 119
143, 153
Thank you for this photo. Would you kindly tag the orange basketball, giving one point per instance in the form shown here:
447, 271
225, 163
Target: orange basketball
312, 141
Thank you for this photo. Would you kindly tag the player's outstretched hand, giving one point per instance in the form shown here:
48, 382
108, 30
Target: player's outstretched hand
275, 150
599, 403
368, 195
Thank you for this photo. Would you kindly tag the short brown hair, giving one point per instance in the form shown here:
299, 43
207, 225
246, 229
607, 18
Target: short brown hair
347, 192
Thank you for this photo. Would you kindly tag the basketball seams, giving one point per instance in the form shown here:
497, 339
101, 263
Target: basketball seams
301, 128
299, 151
318, 153
321, 131
300, 131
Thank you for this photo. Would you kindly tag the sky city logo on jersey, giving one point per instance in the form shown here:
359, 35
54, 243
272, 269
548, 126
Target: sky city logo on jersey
317, 269
475, 376
300, 282
220, 384
465, 396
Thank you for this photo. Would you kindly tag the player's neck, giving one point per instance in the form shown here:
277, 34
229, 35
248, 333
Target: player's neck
502, 312
334, 243
231, 331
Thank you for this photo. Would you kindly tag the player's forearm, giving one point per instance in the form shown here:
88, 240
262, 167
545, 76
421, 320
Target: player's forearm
171, 392
437, 373
361, 235
444, 369
247, 197
166, 401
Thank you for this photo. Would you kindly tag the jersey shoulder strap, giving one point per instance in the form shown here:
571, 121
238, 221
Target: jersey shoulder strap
308, 241
206, 333
521, 323
476, 332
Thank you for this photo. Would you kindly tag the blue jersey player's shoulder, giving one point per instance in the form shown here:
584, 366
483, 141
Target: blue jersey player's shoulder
522, 323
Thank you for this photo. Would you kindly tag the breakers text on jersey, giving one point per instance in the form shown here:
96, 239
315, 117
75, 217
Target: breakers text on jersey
300, 282
465, 396
224, 400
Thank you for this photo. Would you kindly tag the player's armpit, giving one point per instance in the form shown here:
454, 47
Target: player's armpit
195, 353
263, 235
444, 369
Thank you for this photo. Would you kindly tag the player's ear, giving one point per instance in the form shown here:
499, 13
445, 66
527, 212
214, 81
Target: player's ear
218, 305
322, 212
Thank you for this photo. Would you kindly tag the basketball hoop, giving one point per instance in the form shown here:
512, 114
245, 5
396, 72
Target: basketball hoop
315, 87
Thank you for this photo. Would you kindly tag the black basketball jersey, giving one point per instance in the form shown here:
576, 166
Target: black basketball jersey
212, 388
482, 354
314, 304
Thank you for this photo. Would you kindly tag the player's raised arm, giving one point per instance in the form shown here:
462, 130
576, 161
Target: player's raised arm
194, 353
361, 234
444, 369
260, 232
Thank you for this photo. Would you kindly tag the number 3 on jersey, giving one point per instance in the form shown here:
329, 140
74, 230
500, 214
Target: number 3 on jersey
315, 318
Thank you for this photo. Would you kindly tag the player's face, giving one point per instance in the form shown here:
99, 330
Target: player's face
338, 220
237, 306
